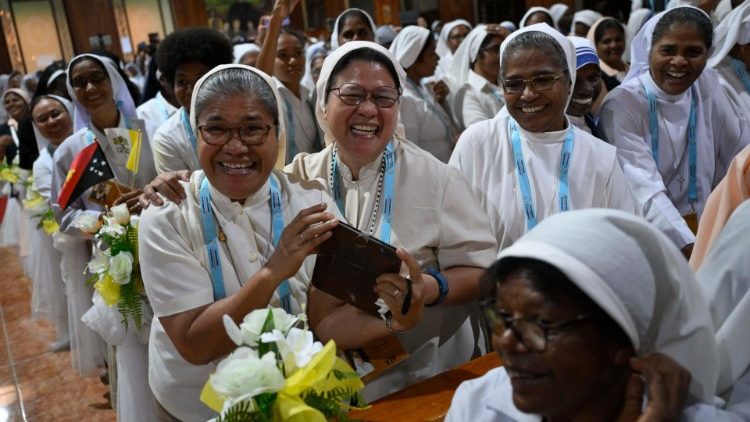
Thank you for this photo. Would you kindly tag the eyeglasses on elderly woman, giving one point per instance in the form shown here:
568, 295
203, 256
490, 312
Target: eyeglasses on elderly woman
355, 94
537, 83
250, 134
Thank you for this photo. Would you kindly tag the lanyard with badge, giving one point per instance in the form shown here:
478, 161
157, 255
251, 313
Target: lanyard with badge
653, 124
386, 188
160, 104
739, 69
188, 130
212, 244
563, 191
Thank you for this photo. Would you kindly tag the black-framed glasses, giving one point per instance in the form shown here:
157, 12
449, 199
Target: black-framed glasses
94, 77
532, 333
537, 83
251, 134
355, 94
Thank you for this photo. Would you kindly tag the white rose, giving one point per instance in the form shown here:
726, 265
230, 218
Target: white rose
120, 267
121, 214
243, 375
112, 227
252, 324
88, 222
296, 349
99, 262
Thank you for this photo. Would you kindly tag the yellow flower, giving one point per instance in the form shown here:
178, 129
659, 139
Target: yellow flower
8, 175
108, 289
35, 203
50, 226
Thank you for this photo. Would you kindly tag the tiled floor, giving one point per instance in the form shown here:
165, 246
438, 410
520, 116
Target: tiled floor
37, 385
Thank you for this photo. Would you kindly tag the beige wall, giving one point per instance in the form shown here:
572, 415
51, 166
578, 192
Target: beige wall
144, 17
37, 33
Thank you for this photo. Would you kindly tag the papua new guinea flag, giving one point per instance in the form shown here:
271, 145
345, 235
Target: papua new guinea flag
89, 168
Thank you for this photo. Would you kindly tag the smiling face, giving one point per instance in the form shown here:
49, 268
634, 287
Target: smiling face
91, 85
15, 105
354, 28
185, 77
457, 36
361, 131
611, 46
487, 63
575, 368
587, 89
289, 65
678, 58
235, 169
52, 120
536, 111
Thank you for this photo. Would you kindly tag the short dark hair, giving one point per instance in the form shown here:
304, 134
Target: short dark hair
684, 16
203, 45
540, 41
362, 54
606, 24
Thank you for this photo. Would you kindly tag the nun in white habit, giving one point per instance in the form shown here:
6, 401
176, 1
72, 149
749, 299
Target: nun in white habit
424, 119
564, 168
350, 26
731, 55
475, 95
654, 147
444, 49
583, 20
642, 293
558, 10
537, 14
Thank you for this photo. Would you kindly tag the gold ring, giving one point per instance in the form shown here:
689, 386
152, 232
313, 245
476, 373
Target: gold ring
302, 238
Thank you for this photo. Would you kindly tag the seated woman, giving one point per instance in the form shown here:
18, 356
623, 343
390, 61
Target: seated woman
731, 56
585, 336
389, 188
537, 14
451, 36
587, 89
183, 57
352, 25
53, 123
235, 207
608, 35
422, 113
474, 77
668, 117
530, 162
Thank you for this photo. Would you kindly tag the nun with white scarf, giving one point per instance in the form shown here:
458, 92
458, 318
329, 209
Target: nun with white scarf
450, 38
536, 14
637, 341
433, 217
475, 95
648, 116
562, 167
731, 55
582, 22
353, 25
424, 119
562, 16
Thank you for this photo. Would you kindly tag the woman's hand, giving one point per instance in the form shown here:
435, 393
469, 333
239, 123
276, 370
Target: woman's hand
668, 384
284, 8
394, 289
132, 201
440, 91
167, 184
310, 228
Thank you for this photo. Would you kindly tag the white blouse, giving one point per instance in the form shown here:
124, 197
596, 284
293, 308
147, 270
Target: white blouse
172, 147
425, 121
304, 132
477, 100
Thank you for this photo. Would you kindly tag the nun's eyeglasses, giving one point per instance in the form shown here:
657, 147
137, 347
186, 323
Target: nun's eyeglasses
218, 135
82, 81
537, 83
532, 333
354, 94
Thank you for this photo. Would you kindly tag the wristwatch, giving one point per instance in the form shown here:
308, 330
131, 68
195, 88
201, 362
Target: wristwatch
442, 286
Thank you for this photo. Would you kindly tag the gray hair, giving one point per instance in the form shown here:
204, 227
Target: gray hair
540, 41
236, 81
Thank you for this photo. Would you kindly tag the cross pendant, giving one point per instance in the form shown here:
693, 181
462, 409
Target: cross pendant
681, 180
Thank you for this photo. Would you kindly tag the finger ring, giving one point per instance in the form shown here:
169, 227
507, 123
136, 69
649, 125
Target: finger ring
396, 293
302, 237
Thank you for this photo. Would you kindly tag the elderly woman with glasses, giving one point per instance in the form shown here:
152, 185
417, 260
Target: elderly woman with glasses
624, 335
529, 161
391, 189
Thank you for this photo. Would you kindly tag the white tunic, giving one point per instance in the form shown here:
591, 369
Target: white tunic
177, 278
303, 134
733, 85
425, 121
156, 110
172, 147
477, 100
662, 189
485, 156
439, 222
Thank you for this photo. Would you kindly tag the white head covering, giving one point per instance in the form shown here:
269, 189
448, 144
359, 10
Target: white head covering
56, 74
408, 44
311, 52
510, 26
20, 92
465, 55
734, 29
586, 17
442, 48
565, 43
335, 33
641, 46
643, 283
41, 141
120, 93
725, 282
239, 50
557, 11
531, 11
325, 75
280, 130
385, 34
585, 51
635, 22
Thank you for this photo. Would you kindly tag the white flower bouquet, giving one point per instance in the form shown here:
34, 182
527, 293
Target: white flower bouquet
116, 272
279, 373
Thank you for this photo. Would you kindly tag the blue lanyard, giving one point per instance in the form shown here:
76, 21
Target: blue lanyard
162, 107
188, 130
212, 244
418, 90
291, 132
497, 95
389, 187
90, 137
563, 190
653, 124
739, 69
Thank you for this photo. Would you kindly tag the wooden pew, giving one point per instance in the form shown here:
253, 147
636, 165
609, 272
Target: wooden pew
427, 400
